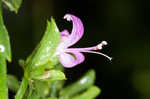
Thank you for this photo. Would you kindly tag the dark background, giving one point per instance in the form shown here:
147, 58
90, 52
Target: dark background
125, 24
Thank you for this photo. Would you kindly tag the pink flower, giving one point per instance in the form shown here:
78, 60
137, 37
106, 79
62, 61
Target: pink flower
70, 57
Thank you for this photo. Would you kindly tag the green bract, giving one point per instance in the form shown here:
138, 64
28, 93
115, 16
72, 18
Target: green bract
51, 75
42, 58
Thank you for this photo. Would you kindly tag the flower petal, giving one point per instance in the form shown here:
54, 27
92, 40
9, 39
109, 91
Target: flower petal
77, 30
69, 61
64, 33
64, 38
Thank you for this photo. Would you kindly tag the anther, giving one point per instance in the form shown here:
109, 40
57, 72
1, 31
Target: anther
67, 17
100, 46
104, 43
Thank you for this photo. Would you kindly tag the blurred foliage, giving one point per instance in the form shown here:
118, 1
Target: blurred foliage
82, 84
13, 5
13, 83
90, 93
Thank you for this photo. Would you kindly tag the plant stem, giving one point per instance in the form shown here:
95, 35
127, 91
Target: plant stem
3, 79
22, 89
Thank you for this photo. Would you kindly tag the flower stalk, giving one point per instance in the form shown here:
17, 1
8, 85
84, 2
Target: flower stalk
22, 89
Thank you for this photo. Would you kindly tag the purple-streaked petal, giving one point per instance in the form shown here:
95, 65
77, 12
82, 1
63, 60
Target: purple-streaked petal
77, 30
64, 38
64, 33
69, 61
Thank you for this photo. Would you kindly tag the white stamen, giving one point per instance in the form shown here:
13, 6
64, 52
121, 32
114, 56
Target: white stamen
104, 42
100, 46
2, 48
110, 58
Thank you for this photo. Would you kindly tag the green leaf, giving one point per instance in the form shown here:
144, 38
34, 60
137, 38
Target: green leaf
53, 75
83, 83
56, 75
90, 93
12, 82
38, 72
5, 54
4, 39
13, 5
